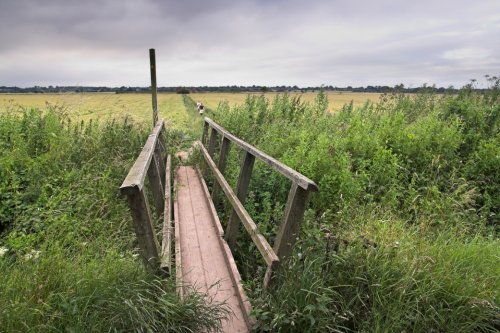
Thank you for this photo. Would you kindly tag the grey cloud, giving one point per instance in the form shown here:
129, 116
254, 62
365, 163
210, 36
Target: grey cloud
248, 42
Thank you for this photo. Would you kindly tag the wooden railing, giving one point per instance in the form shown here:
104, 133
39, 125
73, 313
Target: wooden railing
294, 209
151, 162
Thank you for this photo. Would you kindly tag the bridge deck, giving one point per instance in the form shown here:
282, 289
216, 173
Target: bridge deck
203, 258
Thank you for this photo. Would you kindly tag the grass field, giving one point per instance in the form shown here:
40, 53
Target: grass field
138, 106
336, 99
101, 105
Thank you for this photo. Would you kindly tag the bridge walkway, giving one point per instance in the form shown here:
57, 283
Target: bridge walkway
203, 259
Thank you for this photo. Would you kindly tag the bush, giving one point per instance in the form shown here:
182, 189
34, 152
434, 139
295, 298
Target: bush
403, 233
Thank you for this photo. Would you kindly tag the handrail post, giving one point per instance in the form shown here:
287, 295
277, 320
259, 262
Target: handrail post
224, 151
205, 132
289, 228
155, 181
148, 244
241, 192
152, 64
212, 142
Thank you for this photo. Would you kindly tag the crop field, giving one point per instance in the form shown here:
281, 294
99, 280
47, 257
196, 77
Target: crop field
101, 105
336, 99
138, 106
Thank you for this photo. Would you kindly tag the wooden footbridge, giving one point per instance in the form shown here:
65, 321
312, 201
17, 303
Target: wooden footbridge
202, 256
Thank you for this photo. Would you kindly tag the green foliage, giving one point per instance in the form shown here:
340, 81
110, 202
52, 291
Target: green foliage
403, 234
67, 248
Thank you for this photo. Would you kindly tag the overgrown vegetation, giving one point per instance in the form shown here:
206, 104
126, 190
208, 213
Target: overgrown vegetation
66, 243
403, 235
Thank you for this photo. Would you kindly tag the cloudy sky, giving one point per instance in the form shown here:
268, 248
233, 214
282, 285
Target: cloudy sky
261, 42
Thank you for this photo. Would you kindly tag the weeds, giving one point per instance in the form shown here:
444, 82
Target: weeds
67, 246
403, 235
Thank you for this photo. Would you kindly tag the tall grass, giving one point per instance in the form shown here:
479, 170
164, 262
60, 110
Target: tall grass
67, 249
403, 235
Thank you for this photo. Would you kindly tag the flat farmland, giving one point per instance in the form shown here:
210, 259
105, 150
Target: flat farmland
85, 106
101, 105
336, 99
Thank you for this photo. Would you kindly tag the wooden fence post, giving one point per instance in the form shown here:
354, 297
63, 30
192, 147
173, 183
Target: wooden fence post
156, 183
205, 133
148, 244
152, 63
241, 192
224, 151
289, 228
212, 143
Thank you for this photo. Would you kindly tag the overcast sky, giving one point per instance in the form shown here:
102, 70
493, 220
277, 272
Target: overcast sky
273, 42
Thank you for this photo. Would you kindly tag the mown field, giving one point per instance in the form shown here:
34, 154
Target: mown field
138, 106
402, 237
336, 99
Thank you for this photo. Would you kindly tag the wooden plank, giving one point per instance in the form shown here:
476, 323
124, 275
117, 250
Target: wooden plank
156, 184
204, 263
241, 192
178, 256
221, 165
141, 216
262, 245
228, 256
288, 172
166, 245
135, 178
152, 63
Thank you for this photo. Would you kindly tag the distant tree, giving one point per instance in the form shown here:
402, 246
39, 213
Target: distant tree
182, 91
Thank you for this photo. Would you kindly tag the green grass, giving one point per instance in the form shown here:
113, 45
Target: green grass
68, 250
403, 234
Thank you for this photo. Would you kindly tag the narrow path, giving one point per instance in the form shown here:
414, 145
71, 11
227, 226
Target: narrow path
205, 260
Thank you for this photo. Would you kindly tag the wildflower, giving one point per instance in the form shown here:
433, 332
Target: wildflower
32, 255
3, 251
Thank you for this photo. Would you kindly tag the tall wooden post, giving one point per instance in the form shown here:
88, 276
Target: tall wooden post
152, 63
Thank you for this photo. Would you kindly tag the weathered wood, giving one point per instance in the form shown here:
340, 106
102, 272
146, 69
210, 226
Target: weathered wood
212, 143
270, 276
204, 261
152, 63
143, 226
292, 219
205, 133
178, 256
228, 256
156, 184
288, 172
135, 178
262, 245
166, 245
233, 225
162, 151
221, 165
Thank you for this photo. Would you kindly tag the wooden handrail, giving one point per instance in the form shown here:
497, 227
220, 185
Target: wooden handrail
294, 176
150, 162
136, 175
294, 209
264, 248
